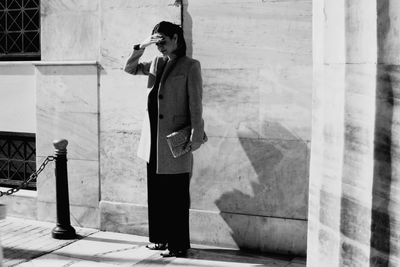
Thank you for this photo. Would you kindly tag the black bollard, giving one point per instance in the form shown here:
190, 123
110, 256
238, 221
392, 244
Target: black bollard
63, 230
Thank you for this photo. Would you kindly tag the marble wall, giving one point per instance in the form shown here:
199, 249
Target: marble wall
122, 107
17, 83
354, 178
250, 181
257, 73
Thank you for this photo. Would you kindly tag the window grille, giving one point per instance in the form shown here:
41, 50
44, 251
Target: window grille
17, 158
19, 29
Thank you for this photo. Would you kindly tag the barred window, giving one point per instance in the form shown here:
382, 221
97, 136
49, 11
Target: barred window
19, 29
17, 159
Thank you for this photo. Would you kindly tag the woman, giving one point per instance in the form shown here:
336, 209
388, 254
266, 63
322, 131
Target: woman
174, 101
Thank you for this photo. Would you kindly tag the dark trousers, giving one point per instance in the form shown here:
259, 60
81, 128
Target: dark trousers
167, 194
168, 208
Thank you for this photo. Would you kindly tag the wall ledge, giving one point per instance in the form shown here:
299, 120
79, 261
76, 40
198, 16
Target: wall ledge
47, 63
64, 63
21, 193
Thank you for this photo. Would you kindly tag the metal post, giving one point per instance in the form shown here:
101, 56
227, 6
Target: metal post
63, 230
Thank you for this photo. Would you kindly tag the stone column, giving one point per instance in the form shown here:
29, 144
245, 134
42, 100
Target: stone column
353, 203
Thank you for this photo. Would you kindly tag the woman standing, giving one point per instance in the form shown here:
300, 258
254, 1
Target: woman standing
174, 101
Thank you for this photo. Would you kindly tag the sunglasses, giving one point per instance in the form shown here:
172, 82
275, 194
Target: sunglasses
162, 42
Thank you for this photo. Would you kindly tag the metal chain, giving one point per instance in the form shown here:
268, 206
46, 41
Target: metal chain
33, 176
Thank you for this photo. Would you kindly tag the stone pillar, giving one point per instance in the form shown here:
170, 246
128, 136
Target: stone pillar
353, 206
67, 107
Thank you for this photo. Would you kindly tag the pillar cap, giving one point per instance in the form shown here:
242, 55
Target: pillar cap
60, 144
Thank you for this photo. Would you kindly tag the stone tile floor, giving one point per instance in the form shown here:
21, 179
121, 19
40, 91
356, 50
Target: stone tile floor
29, 243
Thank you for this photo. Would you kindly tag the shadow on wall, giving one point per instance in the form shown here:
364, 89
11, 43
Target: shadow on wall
187, 23
386, 80
281, 167
382, 179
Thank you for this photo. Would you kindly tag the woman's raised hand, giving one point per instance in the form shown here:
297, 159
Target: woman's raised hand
152, 39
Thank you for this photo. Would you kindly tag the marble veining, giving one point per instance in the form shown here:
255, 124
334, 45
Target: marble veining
273, 106
79, 38
67, 107
80, 129
122, 101
282, 30
121, 166
67, 88
251, 176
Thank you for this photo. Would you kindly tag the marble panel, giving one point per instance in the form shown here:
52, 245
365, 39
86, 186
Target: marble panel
80, 129
226, 229
269, 103
329, 249
326, 163
360, 29
332, 34
72, 88
388, 81
81, 216
123, 99
123, 174
123, 218
359, 131
243, 34
285, 102
361, 79
83, 182
79, 38
251, 176
20, 206
125, 23
230, 99
388, 26
318, 16
67, 107
17, 98
277, 235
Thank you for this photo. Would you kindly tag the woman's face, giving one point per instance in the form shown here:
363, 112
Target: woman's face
168, 45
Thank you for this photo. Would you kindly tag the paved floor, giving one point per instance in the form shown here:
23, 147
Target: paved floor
29, 244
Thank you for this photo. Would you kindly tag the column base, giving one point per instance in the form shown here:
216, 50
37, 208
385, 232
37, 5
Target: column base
63, 232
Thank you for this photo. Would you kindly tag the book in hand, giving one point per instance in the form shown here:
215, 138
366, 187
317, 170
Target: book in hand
177, 141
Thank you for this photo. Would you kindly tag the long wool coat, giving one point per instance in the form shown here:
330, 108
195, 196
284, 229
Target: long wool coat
179, 104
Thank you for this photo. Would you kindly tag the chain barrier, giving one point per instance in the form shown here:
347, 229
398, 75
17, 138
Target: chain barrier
33, 176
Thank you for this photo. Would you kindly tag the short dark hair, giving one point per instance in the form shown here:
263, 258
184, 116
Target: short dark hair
169, 29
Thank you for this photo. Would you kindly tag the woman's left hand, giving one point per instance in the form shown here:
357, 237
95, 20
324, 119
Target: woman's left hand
193, 145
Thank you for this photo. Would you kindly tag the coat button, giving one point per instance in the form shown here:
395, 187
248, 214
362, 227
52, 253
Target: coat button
160, 97
161, 116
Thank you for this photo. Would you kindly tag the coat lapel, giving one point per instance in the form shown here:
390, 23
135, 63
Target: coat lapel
167, 70
161, 66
